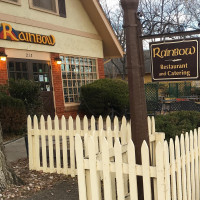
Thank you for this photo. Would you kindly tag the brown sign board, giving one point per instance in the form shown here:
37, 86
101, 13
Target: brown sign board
175, 60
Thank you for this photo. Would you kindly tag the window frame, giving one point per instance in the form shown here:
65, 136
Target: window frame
44, 10
69, 104
18, 3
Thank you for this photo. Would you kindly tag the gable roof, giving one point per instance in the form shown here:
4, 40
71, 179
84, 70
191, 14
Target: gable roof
111, 45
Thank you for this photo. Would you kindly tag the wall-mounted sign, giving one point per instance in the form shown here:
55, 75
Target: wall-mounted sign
8, 33
175, 60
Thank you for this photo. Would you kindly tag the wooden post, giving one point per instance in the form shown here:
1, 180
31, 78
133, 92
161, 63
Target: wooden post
138, 110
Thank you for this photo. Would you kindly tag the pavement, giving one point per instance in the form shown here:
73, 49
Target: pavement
15, 150
67, 190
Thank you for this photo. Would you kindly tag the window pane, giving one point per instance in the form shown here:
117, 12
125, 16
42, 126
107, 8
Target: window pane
65, 83
95, 76
69, 83
69, 75
25, 76
66, 99
36, 78
35, 67
64, 75
63, 67
40, 67
19, 76
24, 67
18, 66
76, 72
12, 75
46, 67
11, 66
65, 91
45, 4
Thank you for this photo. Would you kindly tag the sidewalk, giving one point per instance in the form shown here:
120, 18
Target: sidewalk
15, 150
67, 189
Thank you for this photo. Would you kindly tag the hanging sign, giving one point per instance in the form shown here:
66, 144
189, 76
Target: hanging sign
175, 60
8, 33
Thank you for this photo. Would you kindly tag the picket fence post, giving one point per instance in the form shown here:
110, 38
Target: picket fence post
80, 168
196, 164
132, 171
50, 140
106, 171
94, 175
146, 171
119, 170
167, 172
160, 171
72, 145
192, 164
184, 186
178, 168
64, 145
30, 143
36, 143
44, 149
187, 148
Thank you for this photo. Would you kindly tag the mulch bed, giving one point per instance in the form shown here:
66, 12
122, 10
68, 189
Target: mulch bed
34, 181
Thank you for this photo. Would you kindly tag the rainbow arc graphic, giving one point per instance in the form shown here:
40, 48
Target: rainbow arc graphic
8, 33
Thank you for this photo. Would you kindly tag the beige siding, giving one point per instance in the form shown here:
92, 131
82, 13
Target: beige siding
66, 43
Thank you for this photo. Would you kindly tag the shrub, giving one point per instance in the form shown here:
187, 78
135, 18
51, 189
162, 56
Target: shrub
178, 122
12, 115
104, 96
29, 92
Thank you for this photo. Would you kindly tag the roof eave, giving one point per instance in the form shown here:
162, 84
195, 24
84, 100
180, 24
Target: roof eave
111, 45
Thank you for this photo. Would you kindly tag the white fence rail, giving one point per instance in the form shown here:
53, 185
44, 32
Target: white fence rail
52, 142
176, 170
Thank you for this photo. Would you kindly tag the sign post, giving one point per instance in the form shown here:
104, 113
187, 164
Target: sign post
137, 100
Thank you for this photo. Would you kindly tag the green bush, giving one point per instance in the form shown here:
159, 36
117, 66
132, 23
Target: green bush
176, 123
104, 96
12, 115
29, 92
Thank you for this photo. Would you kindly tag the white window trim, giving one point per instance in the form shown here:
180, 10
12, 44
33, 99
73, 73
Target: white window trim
71, 104
44, 10
18, 3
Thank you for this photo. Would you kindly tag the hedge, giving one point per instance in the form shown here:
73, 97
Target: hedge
104, 96
29, 92
176, 123
12, 115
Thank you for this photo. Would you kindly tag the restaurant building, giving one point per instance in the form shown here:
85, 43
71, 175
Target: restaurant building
59, 43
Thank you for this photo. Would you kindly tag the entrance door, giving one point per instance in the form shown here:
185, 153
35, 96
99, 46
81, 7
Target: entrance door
39, 71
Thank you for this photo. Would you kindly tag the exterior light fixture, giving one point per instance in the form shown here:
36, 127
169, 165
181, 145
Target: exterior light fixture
58, 61
3, 56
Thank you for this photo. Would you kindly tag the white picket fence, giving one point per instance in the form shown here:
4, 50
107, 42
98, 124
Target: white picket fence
176, 172
52, 142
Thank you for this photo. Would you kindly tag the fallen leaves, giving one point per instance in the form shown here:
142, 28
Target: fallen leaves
34, 181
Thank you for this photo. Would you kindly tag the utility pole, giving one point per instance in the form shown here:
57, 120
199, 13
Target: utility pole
137, 100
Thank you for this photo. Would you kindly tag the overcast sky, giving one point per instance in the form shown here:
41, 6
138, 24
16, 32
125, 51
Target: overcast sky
111, 3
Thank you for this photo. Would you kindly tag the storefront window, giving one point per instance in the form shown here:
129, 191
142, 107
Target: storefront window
76, 72
18, 70
47, 5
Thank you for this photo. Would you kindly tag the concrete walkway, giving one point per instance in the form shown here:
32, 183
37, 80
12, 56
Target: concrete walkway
15, 150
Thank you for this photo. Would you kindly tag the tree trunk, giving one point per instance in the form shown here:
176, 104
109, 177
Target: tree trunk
7, 176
